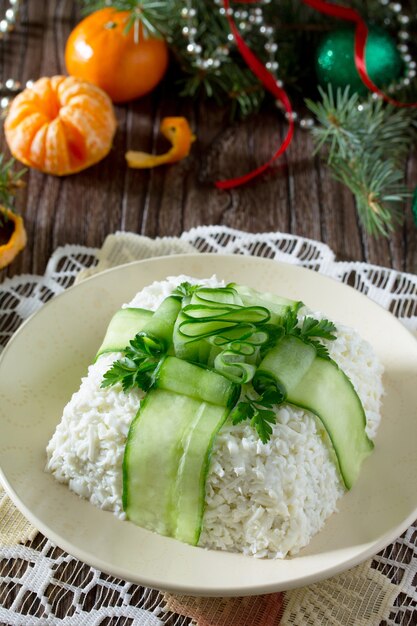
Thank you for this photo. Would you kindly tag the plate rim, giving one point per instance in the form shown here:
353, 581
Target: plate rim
250, 589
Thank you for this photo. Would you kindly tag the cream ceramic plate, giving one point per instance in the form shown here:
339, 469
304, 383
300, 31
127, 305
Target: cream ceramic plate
44, 362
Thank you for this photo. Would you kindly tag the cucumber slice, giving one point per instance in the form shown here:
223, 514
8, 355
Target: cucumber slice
319, 386
168, 496
151, 459
216, 296
196, 382
127, 323
124, 325
194, 350
161, 325
197, 324
277, 305
286, 364
190, 486
327, 391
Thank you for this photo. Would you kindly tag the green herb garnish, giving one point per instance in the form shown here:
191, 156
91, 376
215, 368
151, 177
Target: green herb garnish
259, 412
137, 367
310, 331
185, 290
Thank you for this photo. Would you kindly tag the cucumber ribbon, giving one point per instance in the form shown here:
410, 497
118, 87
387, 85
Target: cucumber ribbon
235, 332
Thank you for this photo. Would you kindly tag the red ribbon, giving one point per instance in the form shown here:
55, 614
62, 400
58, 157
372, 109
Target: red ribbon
270, 83
361, 36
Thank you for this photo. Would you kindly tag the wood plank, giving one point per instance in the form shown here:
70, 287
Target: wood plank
298, 195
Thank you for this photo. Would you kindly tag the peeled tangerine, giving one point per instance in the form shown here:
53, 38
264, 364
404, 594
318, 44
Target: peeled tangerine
60, 125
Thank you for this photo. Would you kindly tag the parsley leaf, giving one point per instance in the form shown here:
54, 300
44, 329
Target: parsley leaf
242, 411
290, 322
136, 368
185, 289
259, 412
274, 335
310, 331
262, 421
317, 328
272, 395
321, 350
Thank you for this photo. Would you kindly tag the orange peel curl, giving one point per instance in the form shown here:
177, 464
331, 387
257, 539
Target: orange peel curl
178, 132
17, 240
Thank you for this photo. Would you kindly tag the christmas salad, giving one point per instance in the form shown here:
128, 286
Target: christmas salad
221, 416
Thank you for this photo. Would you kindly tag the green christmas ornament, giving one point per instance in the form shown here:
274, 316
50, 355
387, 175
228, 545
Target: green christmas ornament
414, 206
335, 62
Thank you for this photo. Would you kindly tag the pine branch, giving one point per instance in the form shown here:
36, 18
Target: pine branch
297, 28
366, 146
154, 15
10, 182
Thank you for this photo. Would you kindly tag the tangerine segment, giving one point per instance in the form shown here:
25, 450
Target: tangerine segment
73, 87
60, 125
24, 133
37, 148
56, 155
48, 98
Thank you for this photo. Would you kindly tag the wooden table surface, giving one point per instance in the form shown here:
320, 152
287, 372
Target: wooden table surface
298, 196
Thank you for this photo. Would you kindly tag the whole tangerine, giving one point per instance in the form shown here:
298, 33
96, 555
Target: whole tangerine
125, 62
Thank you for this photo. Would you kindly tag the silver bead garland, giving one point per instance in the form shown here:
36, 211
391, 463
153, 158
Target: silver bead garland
252, 18
403, 36
7, 24
247, 20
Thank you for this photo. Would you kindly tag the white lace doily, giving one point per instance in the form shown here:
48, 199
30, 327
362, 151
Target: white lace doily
44, 579
395, 291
